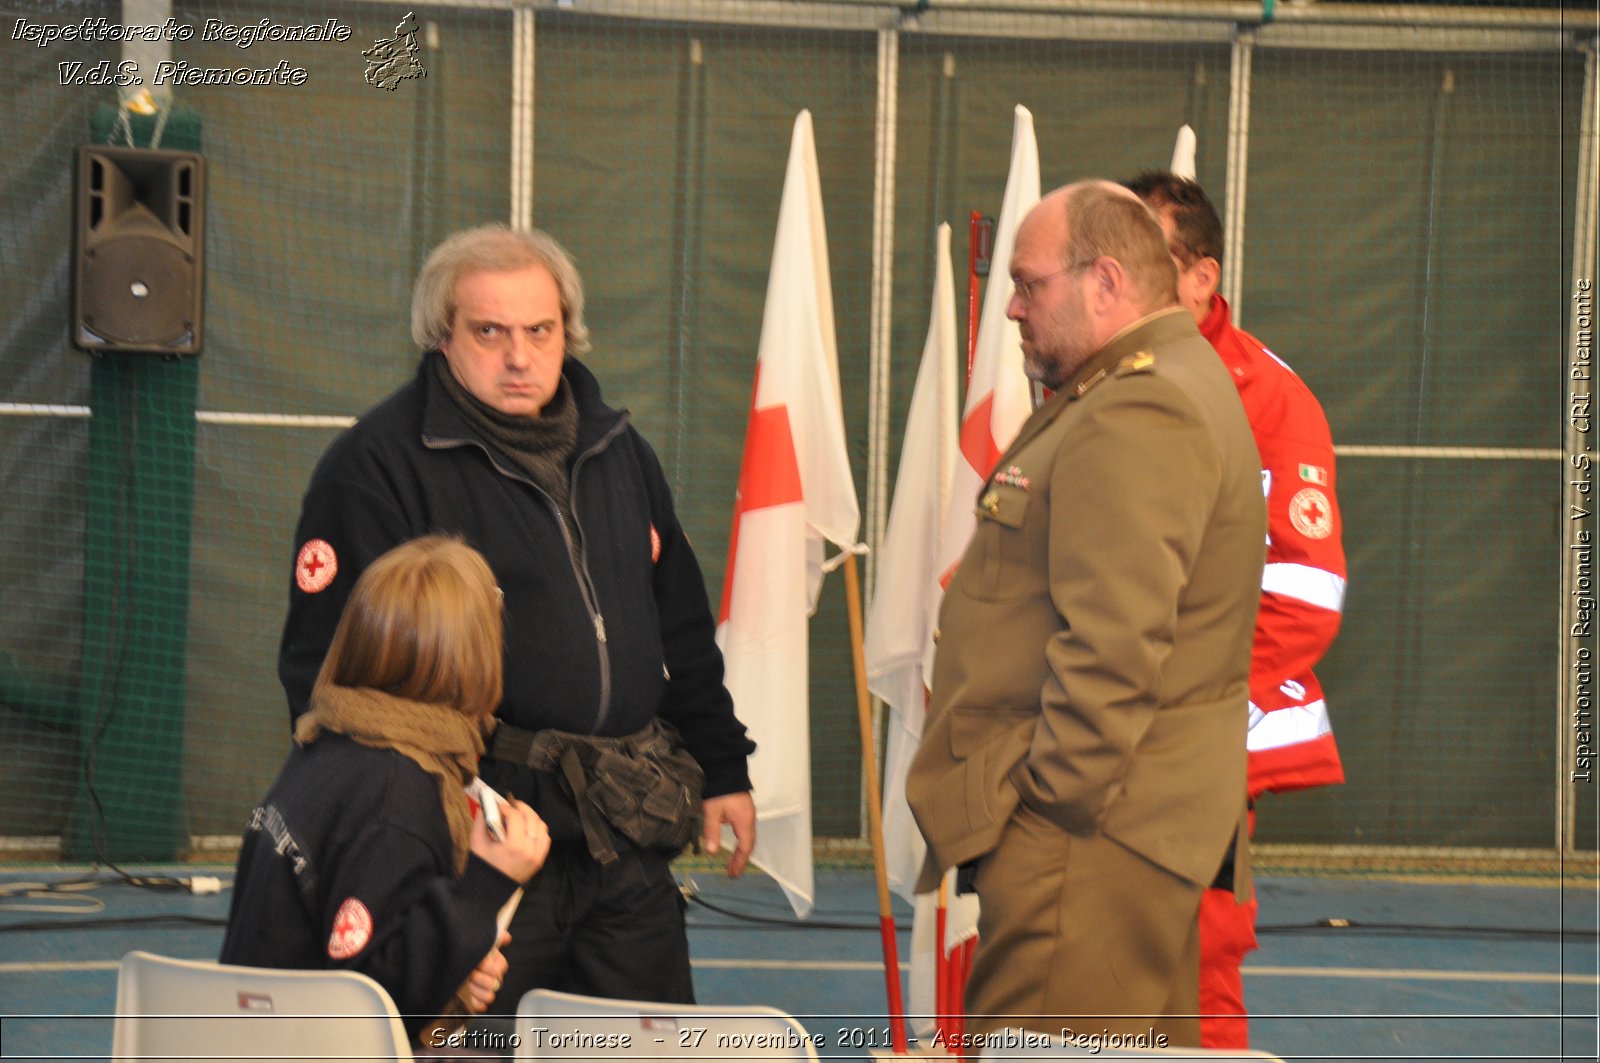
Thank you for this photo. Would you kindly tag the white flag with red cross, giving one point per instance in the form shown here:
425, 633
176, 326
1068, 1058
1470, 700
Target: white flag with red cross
796, 493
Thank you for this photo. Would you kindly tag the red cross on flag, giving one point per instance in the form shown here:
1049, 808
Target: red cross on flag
796, 492
999, 397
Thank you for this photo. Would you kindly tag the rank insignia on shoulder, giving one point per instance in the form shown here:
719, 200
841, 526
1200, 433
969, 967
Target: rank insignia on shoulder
1012, 475
1082, 387
1137, 362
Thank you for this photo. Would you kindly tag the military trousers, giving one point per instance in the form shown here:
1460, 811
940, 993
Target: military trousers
1078, 933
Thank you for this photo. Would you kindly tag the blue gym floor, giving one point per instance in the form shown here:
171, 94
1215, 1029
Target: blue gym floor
1446, 970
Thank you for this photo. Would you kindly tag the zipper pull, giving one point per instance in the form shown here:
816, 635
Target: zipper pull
599, 627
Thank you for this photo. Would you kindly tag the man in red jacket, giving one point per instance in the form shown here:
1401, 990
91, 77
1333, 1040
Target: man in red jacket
1290, 742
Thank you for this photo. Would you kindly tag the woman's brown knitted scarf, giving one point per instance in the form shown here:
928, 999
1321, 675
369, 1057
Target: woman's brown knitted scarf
441, 741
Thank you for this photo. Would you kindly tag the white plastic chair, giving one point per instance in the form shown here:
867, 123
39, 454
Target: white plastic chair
553, 1025
195, 1010
1022, 1045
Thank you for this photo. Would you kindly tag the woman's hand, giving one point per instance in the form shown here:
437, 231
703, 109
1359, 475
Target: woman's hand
527, 841
484, 982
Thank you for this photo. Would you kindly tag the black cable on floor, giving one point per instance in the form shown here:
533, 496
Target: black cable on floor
692, 895
1328, 926
1351, 926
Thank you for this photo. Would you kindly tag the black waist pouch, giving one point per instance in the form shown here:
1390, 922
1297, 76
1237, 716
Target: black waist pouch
645, 785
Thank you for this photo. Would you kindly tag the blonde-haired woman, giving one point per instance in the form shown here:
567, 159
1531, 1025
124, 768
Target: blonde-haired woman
365, 853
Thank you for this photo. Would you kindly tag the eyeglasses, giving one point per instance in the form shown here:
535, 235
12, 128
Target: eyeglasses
1027, 289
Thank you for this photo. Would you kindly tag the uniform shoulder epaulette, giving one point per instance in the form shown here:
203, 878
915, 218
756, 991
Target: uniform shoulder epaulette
1138, 362
1081, 388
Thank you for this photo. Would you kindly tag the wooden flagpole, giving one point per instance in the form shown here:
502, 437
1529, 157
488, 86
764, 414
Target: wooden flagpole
869, 760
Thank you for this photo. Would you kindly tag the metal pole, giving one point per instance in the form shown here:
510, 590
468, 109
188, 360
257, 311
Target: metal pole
882, 309
686, 237
880, 353
1238, 165
524, 23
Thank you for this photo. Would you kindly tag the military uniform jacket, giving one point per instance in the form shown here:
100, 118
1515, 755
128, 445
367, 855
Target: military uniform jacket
1094, 644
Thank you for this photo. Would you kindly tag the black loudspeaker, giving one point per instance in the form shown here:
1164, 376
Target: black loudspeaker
138, 279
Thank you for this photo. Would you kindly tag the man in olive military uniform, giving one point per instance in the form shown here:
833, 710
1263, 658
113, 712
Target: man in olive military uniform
1084, 755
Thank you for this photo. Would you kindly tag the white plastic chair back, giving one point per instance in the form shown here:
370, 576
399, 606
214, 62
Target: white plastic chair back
195, 1010
553, 1025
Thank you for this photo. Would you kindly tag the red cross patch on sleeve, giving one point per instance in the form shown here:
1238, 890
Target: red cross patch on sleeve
1311, 514
352, 929
315, 566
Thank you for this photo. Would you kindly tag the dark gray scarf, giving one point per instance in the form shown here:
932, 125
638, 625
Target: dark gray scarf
541, 446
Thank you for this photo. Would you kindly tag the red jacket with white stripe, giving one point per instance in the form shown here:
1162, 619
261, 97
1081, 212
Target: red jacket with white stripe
1302, 589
